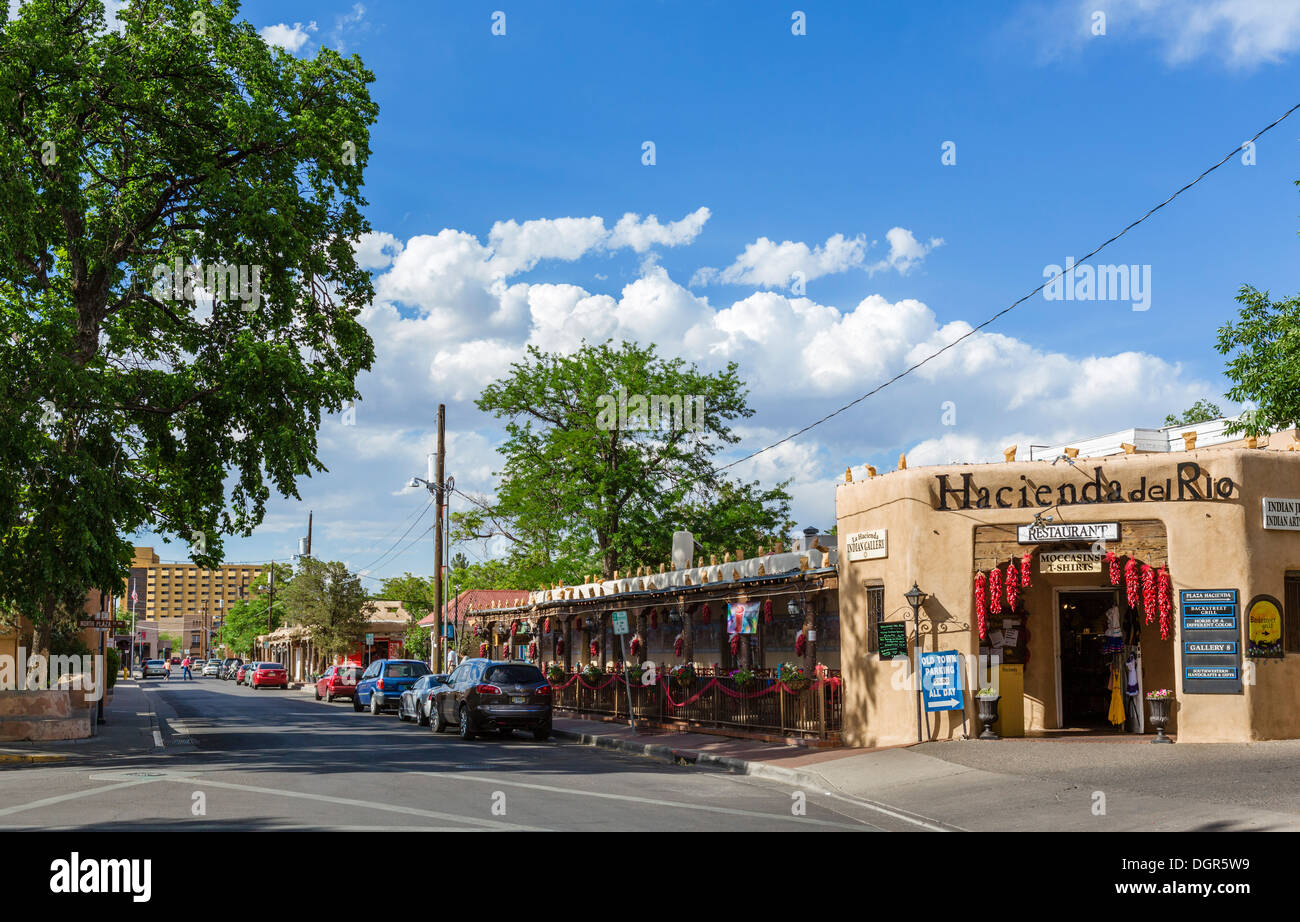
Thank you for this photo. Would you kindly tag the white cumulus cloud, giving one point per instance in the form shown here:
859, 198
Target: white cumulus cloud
289, 37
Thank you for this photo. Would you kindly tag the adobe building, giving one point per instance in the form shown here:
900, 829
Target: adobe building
1222, 519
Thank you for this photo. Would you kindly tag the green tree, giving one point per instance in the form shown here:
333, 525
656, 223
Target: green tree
416, 595
247, 619
131, 400
1200, 412
1264, 343
588, 486
329, 600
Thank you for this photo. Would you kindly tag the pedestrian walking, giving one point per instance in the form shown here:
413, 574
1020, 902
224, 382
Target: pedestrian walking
185, 665
167, 670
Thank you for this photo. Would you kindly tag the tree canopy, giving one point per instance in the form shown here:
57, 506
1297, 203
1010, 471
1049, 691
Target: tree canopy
178, 291
329, 600
610, 449
1264, 343
1200, 412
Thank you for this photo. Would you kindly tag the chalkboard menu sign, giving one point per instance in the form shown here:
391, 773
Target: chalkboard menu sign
891, 639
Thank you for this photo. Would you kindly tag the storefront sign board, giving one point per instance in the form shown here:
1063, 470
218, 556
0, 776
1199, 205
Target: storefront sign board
1069, 562
941, 680
868, 545
1211, 642
1282, 513
1046, 532
891, 639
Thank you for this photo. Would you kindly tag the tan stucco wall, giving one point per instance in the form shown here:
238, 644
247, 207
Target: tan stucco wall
1212, 544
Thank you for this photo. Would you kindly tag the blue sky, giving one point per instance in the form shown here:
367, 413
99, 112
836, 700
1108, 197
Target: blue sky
503, 167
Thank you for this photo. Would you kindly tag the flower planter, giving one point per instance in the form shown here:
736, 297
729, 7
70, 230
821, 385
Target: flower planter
988, 705
1160, 711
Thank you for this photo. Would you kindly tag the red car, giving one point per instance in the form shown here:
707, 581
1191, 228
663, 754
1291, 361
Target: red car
270, 675
338, 682
240, 672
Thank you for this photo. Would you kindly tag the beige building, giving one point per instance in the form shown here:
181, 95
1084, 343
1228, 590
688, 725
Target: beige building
1220, 521
182, 599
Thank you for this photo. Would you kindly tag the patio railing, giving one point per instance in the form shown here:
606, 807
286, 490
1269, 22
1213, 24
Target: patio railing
763, 705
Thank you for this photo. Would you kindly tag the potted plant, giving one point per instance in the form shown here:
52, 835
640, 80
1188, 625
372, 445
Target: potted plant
633, 673
793, 677
684, 675
592, 673
1161, 703
555, 673
987, 699
742, 677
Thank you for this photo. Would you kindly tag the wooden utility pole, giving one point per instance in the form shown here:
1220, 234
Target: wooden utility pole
437, 655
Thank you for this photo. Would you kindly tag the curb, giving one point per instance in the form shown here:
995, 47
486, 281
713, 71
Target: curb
32, 757
691, 757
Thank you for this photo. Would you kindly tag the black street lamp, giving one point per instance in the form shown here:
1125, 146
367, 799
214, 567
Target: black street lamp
916, 598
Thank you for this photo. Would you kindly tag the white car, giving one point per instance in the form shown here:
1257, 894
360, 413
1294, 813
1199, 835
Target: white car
212, 668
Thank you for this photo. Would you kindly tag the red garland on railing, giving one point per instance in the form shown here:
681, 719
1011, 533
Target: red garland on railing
1165, 602
767, 611
995, 591
1013, 586
1149, 592
1026, 563
1131, 583
981, 601
677, 645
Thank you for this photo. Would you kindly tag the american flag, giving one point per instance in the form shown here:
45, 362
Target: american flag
134, 598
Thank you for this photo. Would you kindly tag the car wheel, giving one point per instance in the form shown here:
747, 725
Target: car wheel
505, 733
356, 705
466, 728
421, 717
329, 697
374, 705
401, 710
542, 733
437, 722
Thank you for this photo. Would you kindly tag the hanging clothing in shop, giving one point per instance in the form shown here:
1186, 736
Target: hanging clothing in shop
1113, 640
1116, 713
1131, 675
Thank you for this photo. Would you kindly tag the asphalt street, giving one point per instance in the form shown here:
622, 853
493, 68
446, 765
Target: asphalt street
210, 754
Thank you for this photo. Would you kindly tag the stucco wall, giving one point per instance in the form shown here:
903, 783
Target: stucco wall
1212, 544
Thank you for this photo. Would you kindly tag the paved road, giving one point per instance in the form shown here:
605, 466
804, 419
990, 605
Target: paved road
232, 757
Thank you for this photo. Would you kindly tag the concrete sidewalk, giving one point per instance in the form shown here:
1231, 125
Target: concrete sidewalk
130, 722
1012, 785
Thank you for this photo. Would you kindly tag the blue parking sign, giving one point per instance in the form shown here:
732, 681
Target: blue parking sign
941, 680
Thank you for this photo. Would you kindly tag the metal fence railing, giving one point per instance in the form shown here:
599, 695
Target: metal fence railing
765, 704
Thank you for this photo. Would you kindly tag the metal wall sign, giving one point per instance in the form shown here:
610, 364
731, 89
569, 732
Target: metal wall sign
620, 622
867, 545
1211, 635
941, 680
1282, 513
1069, 562
1047, 532
891, 639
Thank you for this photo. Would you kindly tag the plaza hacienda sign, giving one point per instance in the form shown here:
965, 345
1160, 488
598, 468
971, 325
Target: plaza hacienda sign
1191, 483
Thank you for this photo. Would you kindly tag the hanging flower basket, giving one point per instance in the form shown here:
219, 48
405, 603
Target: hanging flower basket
793, 677
743, 677
554, 674
684, 675
593, 673
634, 673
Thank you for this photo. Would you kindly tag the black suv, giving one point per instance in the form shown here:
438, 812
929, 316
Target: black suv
489, 695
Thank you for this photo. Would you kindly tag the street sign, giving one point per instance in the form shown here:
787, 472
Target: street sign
103, 624
1211, 642
370, 639
620, 622
941, 680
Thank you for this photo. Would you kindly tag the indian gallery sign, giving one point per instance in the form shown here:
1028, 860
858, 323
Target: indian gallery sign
868, 545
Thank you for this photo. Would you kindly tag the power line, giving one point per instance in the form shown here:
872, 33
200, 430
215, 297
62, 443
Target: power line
1010, 307
423, 513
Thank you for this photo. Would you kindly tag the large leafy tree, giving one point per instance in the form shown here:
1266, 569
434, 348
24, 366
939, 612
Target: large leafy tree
133, 397
328, 599
1265, 365
597, 483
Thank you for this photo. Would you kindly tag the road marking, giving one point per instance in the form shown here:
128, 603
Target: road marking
48, 801
650, 801
351, 802
157, 739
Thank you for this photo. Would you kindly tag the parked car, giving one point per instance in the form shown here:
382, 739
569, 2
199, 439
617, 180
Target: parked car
240, 671
383, 682
415, 701
338, 682
269, 675
212, 668
493, 695
153, 668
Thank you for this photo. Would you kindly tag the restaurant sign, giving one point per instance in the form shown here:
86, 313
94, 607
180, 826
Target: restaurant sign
868, 545
1044, 532
1190, 483
1069, 562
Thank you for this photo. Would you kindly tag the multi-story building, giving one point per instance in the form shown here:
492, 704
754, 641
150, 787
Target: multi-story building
184, 599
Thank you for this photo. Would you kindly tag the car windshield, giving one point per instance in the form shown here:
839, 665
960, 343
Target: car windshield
269, 666
405, 670
513, 675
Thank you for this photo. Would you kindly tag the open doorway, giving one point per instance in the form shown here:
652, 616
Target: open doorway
1086, 657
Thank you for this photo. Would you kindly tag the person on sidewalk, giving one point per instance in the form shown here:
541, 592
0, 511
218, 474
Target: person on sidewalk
185, 666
